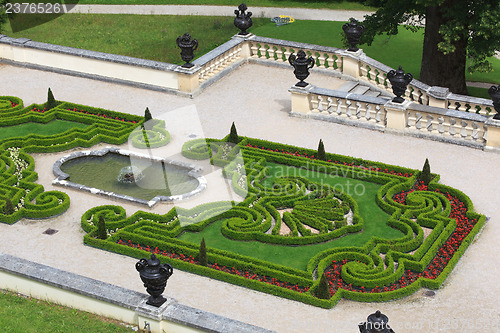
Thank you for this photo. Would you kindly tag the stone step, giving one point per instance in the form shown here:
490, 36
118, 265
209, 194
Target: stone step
348, 86
359, 90
372, 93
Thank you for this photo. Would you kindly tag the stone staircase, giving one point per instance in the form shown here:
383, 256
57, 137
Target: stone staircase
357, 88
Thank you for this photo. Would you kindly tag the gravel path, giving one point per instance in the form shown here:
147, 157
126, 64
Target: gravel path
467, 302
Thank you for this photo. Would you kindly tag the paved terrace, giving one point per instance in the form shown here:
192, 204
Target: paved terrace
255, 97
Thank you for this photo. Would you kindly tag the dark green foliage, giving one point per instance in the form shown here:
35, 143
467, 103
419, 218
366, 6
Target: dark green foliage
321, 151
202, 255
51, 102
101, 228
233, 135
425, 175
147, 115
8, 208
3, 16
455, 31
323, 289
145, 135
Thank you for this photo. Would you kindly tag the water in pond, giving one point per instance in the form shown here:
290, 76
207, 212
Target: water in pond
102, 171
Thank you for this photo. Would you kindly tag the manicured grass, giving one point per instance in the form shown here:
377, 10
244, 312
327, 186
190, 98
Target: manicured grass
297, 256
403, 49
339, 4
53, 127
152, 37
23, 315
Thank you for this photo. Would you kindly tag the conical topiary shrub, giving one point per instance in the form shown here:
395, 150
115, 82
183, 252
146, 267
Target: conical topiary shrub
323, 291
101, 228
233, 135
51, 102
202, 255
8, 208
425, 175
321, 151
147, 115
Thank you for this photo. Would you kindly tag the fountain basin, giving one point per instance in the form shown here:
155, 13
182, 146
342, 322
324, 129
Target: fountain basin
97, 172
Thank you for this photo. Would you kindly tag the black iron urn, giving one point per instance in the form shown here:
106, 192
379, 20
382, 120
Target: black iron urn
376, 323
495, 97
353, 32
399, 81
242, 20
155, 276
188, 46
302, 66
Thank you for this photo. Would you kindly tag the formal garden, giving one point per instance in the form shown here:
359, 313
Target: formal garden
310, 226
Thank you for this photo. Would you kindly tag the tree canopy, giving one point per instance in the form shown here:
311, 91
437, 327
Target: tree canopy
455, 30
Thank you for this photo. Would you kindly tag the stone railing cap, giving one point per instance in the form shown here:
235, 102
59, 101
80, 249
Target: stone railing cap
448, 112
350, 96
438, 91
218, 51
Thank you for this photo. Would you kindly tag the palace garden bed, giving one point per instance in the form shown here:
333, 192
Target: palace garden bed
308, 229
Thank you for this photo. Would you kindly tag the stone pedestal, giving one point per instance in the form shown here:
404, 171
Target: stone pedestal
493, 134
350, 62
187, 79
150, 317
300, 99
396, 115
438, 97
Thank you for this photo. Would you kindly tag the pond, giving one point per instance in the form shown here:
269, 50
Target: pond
100, 172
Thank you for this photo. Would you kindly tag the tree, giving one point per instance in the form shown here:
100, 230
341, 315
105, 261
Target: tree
233, 135
323, 288
51, 102
3, 15
425, 175
8, 208
202, 255
321, 151
101, 228
455, 30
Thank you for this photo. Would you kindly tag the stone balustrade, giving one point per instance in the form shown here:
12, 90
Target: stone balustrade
336, 106
409, 118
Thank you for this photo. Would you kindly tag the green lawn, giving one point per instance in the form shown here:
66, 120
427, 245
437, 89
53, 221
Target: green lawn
53, 127
24, 315
327, 4
297, 256
403, 49
154, 38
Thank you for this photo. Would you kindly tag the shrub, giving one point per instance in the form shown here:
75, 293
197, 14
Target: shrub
101, 228
147, 115
321, 151
323, 289
202, 255
425, 175
233, 135
8, 208
51, 102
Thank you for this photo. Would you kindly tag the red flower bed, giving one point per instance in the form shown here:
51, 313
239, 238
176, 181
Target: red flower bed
392, 172
437, 265
101, 115
230, 270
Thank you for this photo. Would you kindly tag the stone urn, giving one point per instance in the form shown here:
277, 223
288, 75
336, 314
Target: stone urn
399, 81
242, 20
376, 323
353, 32
188, 46
155, 276
495, 97
301, 64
